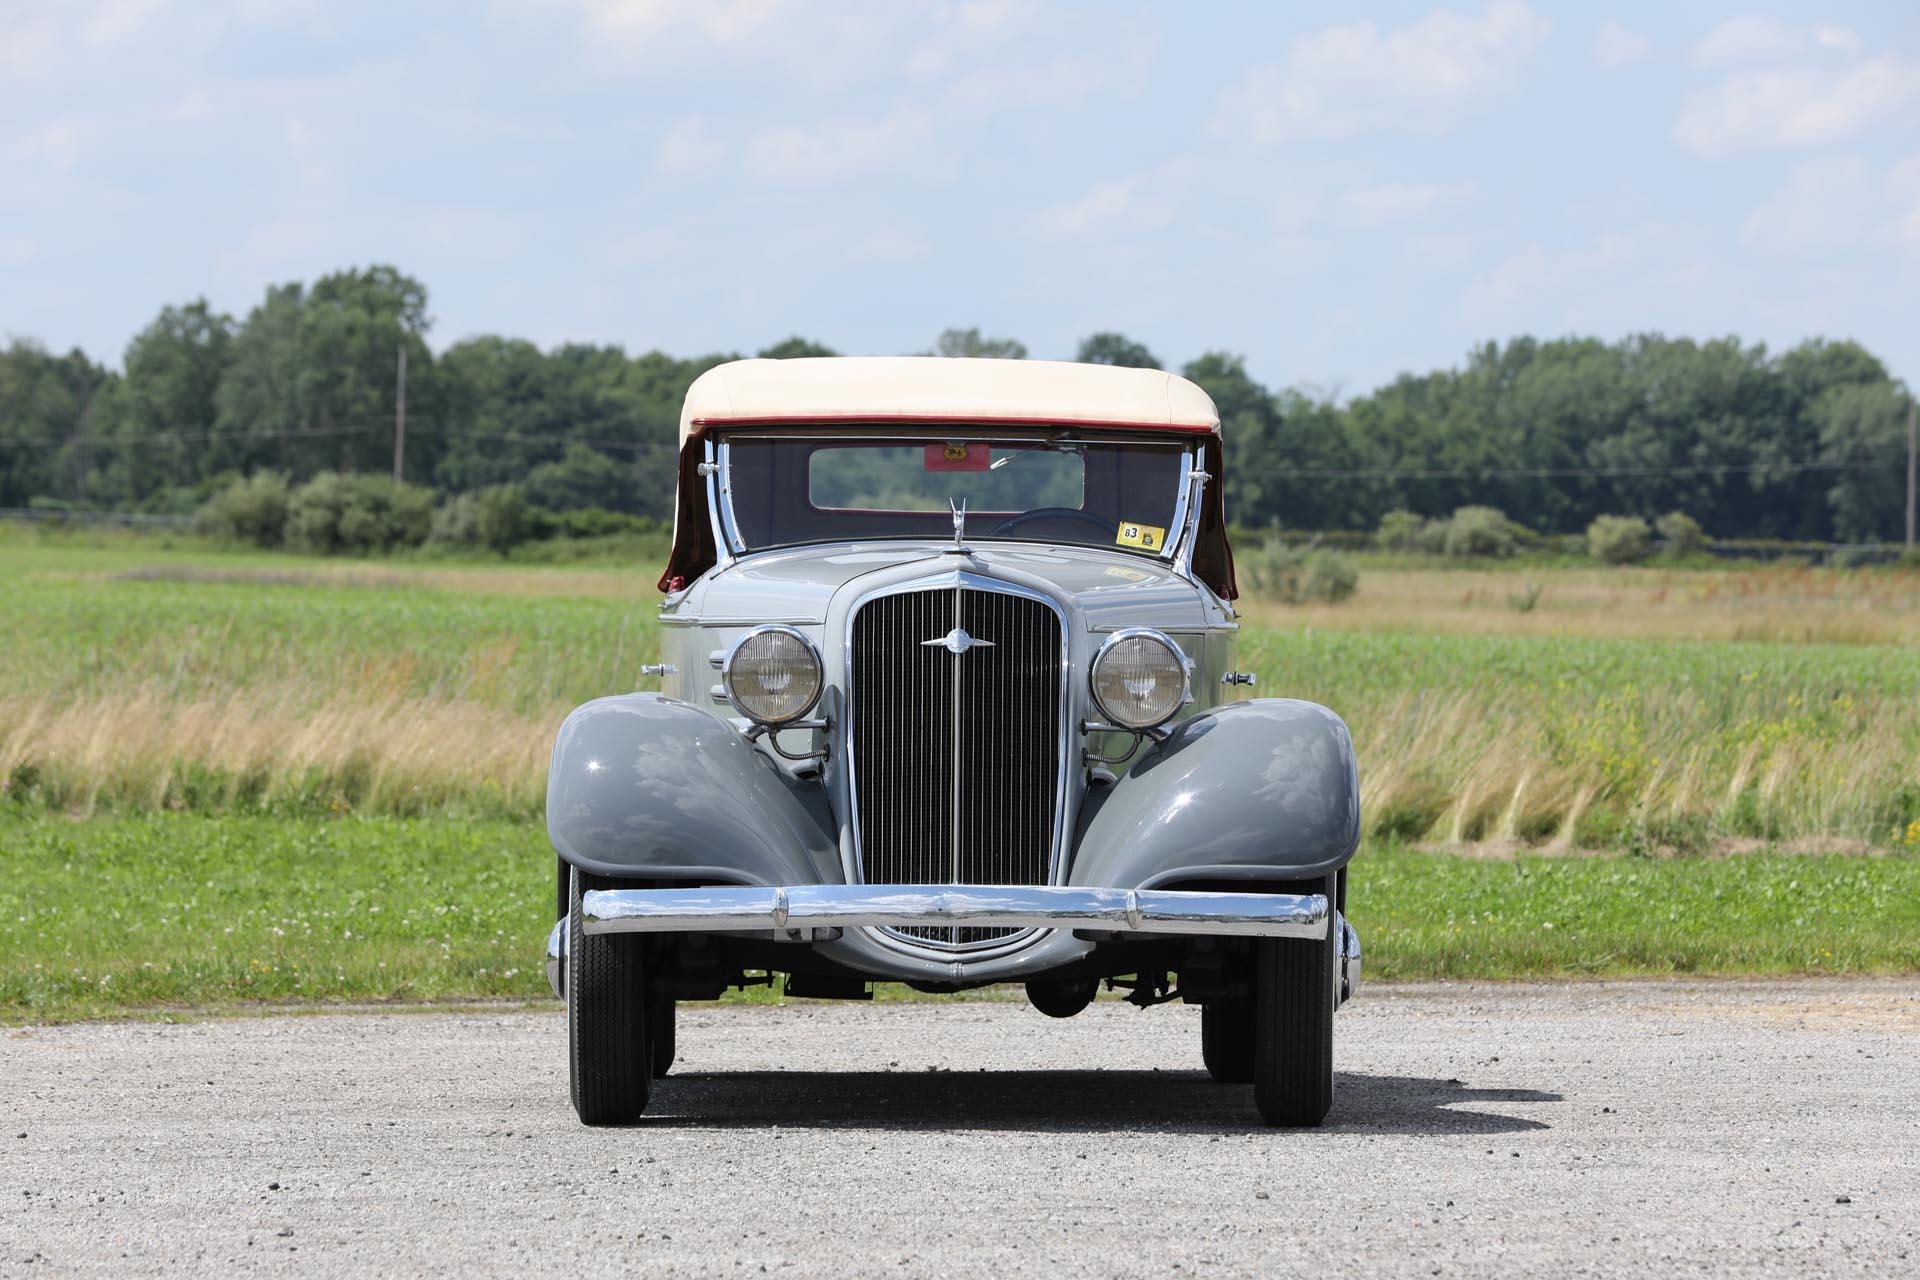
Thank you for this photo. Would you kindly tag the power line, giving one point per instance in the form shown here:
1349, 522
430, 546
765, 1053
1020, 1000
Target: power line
199, 437
638, 448
417, 426
1553, 473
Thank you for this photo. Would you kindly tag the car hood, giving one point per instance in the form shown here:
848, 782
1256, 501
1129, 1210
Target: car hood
1106, 588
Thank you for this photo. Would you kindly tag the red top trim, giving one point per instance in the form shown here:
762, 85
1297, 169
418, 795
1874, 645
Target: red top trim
945, 419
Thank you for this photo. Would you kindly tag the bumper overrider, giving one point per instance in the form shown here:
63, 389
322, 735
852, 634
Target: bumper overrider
755, 908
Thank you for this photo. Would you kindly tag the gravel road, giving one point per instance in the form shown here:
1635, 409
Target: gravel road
1589, 1129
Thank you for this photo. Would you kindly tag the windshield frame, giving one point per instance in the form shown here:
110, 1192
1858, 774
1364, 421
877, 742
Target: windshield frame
1177, 549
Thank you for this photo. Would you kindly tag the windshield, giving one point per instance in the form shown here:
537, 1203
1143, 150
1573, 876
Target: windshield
787, 490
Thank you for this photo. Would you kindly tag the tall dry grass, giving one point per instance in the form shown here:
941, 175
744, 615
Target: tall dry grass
1590, 719
1454, 767
286, 746
1771, 605
1666, 771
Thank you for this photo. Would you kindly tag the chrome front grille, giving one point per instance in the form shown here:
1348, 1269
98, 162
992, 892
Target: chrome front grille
956, 756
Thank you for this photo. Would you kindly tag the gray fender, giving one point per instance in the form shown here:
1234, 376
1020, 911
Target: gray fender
1259, 792
647, 786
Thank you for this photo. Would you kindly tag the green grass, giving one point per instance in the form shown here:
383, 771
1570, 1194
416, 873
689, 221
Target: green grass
86, 629
229, 779
1437, 915
149, 913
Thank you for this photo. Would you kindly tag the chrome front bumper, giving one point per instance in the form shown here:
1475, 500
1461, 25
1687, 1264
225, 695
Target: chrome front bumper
754, 908
730, 907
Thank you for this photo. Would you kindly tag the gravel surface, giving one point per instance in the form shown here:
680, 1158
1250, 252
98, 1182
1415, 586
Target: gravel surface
1586, 1129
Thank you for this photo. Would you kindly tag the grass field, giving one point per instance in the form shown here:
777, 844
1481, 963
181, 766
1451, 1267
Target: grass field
161, 912
187, 728
143, 679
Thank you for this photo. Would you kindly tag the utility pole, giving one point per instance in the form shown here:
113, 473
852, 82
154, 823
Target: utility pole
400, 418
80, 449
1913, 450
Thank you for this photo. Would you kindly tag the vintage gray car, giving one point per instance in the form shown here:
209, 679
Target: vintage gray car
948, 697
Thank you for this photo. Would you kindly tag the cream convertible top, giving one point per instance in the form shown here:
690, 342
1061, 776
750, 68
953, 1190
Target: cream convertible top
892, 391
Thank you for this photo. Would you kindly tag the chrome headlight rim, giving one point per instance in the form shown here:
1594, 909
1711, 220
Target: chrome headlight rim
1180, 663
813, 653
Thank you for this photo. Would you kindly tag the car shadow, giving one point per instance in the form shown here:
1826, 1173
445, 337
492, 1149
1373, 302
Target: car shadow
1064, 1101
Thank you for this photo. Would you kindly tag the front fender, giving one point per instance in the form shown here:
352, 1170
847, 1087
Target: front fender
1258, 792
645, 786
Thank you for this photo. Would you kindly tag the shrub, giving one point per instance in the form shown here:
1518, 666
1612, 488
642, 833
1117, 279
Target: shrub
597, 522
1619, 539
1297, 575
456, 522
1859, 557
1524, 601
1681, 532
496, 518
1399, 531
253, 510
501, 521
1479, 531
1331, 577
345, 514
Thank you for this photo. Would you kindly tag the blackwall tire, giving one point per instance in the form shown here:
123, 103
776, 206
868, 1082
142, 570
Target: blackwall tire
1294, 995
608, 1067
1226, 1040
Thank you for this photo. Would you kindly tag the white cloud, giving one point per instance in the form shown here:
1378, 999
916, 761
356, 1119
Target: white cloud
1796, 106
1903, 182
839, 147
1616, 46
1125, 205
116, 20
640, 21
56, 142
1838, 39
1839, 207
1359, 79
1826, 205
1566, 282
1444, 251
688, 146
1746, 40
1399, 201
26, 39
1751, 40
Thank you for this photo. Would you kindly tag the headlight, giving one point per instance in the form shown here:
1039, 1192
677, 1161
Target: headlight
1139, 679
772, 675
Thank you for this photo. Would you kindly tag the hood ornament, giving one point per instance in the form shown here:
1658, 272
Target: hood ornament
957, 642
959, 547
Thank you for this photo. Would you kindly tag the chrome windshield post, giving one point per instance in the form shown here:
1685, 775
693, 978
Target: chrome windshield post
1192, 495
726, 534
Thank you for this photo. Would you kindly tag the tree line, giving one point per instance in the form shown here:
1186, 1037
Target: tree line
1807, 443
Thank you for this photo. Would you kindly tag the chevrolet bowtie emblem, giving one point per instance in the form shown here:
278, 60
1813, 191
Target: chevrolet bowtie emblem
957, 641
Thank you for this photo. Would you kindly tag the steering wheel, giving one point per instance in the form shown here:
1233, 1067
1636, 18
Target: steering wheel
1051, 513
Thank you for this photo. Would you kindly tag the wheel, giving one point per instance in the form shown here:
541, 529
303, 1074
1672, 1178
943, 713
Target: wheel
1293, 998
1226, 1040
606, 1019
660, 1032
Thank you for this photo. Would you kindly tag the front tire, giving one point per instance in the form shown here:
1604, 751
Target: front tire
608, 1066
1294, 995
1226, 1040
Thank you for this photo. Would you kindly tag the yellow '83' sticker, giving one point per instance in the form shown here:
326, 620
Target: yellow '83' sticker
1144, 536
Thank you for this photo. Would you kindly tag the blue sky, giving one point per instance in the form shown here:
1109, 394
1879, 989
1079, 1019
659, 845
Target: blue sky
1338, 192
